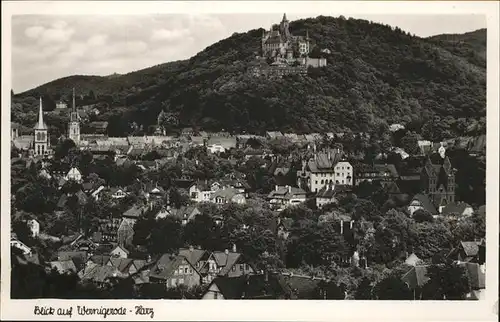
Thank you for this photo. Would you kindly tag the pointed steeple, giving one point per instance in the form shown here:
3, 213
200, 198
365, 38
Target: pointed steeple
284, 17
74, 104
307, 34
41, 124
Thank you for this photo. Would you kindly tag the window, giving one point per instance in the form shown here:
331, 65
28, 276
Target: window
173, 282
234, 268
181, 281
216, 295
186, 270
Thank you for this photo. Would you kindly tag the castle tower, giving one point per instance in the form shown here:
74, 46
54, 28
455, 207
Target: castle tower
284, 28
74, 123
41, 142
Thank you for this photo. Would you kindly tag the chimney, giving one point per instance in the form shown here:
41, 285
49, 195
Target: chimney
234, 248
289, 188
191, 248
226, 251
276, 187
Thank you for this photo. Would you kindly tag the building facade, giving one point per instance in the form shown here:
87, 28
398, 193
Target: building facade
41, 141
438, 181
279, 42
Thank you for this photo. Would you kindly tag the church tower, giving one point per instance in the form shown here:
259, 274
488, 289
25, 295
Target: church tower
41, 142
74, 123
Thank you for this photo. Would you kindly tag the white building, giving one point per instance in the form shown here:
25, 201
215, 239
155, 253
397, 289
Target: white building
74, 174
325, 169
34, 227
285, 196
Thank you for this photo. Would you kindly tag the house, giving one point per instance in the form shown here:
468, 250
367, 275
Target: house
227, 195
79, 258
457, 209
469, 251
221, 144
216, 148
283, 227
325, 168
16, 243
34, 227
386, 172
120, 252
282, 197
133, 212
196, 257
101, 276
126, 266
326, 195
125, 232
396, 127
64, 267
98, 127
201, 191
413, 260
271, 135
421, 201
172, 270
438, 181
74, 174
271, 285
117, 193
415, 279
186, 213
97, 193
14, 130
225, 263
477, 278
98, 260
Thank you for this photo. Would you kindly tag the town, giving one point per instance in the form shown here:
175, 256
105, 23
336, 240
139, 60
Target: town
190, 214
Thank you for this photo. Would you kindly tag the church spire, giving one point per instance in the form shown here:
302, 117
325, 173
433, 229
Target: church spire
74, 104
41, 124
284, 17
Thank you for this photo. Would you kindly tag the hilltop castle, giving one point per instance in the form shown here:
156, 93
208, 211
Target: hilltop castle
284, 53
279, 42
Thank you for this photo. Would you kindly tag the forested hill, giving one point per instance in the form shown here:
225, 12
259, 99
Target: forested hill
470, 45
376, 75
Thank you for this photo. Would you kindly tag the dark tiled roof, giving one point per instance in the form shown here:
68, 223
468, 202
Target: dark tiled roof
416, 277
193, 256
166, 265
100, 259
326, 192
121, 264
425, 202
387, 168
455, 208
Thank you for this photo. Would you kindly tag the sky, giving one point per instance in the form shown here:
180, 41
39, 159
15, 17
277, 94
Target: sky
48, 47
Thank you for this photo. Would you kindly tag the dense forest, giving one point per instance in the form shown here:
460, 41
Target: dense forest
376, 75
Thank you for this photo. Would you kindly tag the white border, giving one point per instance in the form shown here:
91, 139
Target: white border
270, 310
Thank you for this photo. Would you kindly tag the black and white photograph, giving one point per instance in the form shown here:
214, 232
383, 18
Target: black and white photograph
281, 155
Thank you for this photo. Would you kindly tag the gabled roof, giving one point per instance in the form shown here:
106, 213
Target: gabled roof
284, 192
193, 256
416, 277
455, 208
328, 192
121, 264
166, 265
134, 212
226, 261
227, 194
100, 273
471, 248
425, 202
413, 260
64, 266
100, 259
78, 257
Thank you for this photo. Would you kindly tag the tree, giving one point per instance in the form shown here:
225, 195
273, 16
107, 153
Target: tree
422, 215
409, 142
392, 288
447, 281
168, 121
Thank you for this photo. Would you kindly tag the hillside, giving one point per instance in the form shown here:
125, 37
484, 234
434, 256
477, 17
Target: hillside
470, 45
375, 75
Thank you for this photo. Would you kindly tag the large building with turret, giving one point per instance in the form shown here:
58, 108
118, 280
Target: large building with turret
279, 42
